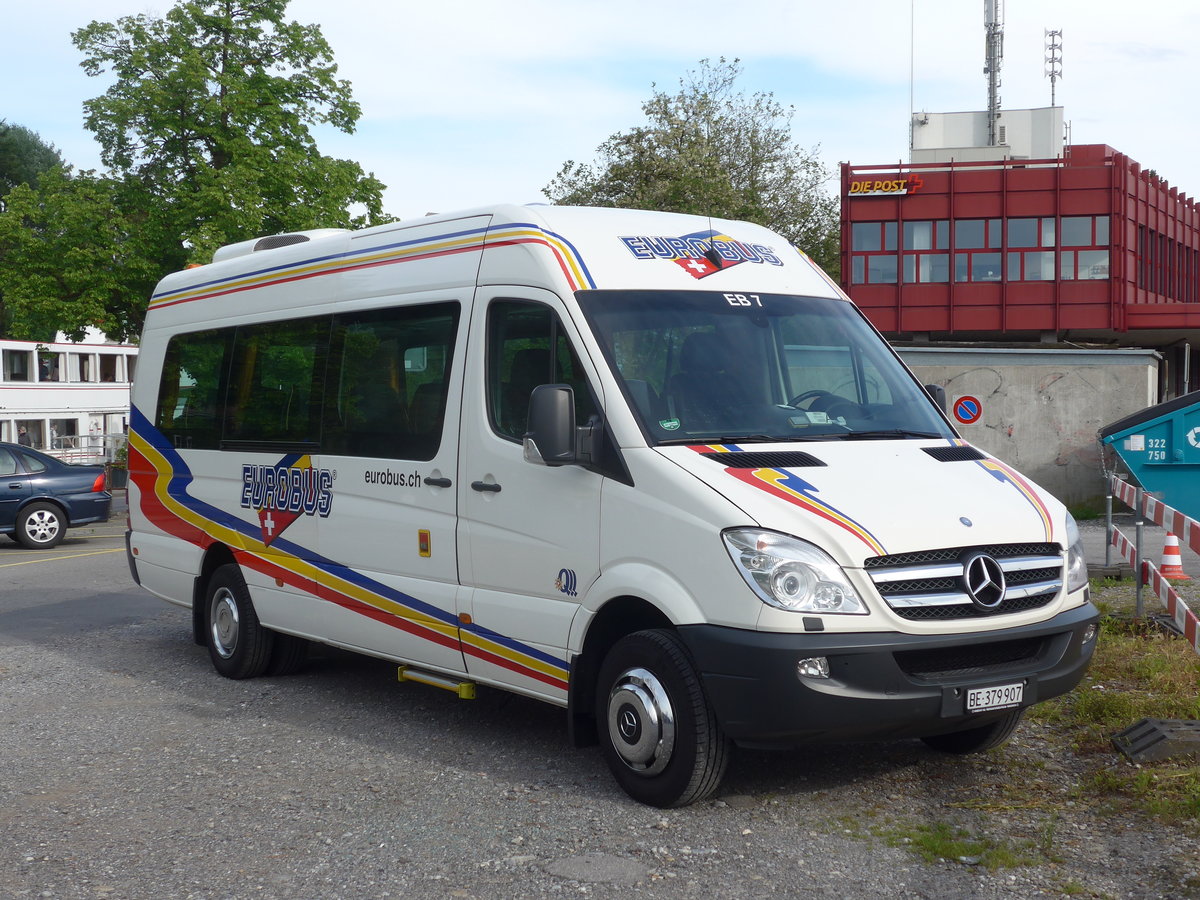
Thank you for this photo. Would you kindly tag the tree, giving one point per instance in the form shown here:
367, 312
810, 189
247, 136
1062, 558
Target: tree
23, 156
711, 150
205, 133
211, 109
75, 255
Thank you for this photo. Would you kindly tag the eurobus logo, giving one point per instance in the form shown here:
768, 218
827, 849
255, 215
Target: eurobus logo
887, 187
284, 492
690, 251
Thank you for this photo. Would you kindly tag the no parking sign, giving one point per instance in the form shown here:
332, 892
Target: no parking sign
968, 409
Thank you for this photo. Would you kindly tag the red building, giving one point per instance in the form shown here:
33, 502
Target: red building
1085, 248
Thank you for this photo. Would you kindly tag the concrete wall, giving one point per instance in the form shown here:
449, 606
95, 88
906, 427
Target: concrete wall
1039, 410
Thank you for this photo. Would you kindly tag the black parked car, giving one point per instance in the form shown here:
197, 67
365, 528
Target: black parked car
41, 497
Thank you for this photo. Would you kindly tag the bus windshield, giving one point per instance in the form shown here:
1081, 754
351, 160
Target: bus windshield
706, 366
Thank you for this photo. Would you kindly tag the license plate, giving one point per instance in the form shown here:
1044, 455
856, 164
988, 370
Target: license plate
1000, 697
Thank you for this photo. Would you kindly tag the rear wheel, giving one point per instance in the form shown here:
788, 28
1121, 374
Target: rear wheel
41, 526
659, 734
237, 643
976, 740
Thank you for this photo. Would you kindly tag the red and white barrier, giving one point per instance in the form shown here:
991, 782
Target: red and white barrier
1177, 524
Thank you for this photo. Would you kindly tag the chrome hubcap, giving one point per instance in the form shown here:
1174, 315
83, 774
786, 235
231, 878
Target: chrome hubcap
641, 722
224, 623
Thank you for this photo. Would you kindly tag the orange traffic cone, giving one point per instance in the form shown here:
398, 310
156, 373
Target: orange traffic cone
1172, 561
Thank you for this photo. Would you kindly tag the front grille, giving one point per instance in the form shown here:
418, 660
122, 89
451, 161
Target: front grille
929, 585
975, 659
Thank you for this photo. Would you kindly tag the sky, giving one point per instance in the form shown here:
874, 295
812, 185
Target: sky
468, 103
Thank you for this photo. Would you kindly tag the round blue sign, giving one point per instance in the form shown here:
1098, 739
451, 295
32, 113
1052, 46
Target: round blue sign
968, 410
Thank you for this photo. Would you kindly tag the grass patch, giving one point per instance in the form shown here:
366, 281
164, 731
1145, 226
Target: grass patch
1140, 671
941, 841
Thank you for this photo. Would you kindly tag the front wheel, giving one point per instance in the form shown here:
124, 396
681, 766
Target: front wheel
40, 526
659, 734
237, 643
976, 740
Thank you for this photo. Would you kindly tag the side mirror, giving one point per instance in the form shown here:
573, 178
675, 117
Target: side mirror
550, 440
938, 393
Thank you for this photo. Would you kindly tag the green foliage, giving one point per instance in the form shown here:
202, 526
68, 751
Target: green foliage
77, 251
23, 157
205, 133
711, 150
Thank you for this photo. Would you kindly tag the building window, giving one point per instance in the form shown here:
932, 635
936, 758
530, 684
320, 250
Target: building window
933, 235
1031, 232
974, 234
867, 239
1083, 265
926, 268
1085, 231
881, 269
1031, 265
921, 265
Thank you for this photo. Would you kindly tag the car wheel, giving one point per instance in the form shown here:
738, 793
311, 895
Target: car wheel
237, 643
41, 526
658, 731
976, 740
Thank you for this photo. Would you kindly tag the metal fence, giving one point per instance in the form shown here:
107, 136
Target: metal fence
90, 448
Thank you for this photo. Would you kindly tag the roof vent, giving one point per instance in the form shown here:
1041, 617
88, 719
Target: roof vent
273, 242
280, 240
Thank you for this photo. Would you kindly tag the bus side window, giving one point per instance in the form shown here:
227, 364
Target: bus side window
390, 373
277, 381
192, 389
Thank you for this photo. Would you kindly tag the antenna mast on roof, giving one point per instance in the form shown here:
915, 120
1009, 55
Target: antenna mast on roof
993, 21
1054, 45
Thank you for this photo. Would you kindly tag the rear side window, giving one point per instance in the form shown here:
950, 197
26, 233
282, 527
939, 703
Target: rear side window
33, 465
8, 464
191, 396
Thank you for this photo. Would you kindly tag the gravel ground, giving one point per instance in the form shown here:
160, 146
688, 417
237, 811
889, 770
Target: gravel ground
133, 771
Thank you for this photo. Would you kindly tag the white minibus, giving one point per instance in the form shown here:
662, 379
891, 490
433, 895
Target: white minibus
655, 469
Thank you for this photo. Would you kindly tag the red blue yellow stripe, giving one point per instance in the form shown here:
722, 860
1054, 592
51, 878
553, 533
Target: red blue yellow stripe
567, 259
163, 479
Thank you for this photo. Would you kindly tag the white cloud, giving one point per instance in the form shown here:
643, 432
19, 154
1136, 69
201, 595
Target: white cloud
466, 101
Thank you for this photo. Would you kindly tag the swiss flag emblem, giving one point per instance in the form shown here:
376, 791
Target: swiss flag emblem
273, 522
699, 268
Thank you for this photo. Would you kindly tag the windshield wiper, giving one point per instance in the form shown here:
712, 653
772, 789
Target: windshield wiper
891, 434
754, 439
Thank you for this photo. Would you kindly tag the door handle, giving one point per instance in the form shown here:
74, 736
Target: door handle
485, 487
16, 486
437, 482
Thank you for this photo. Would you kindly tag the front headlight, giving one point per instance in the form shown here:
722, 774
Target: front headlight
791, 574
1077, 574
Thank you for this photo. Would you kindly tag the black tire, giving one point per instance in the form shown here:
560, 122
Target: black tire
40, 526
658, 731
289, 654
237, 643
976, 740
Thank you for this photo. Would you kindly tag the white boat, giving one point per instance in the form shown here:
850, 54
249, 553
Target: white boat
66, 398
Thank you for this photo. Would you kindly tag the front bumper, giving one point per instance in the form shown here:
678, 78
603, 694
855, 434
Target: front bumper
881, 685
